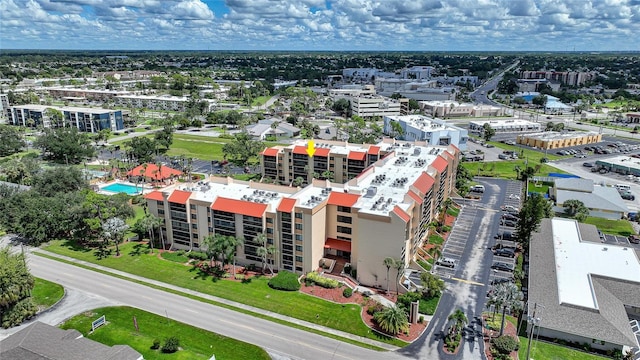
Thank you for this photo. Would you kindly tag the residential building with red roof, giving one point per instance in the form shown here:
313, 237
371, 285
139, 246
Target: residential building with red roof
381, 211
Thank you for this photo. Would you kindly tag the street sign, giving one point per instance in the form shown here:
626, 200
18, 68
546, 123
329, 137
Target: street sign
97, 323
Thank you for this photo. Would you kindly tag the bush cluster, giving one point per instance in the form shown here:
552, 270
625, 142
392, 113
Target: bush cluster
180, 252
19, 312
155, 345
347, 292
505, 344
373, 309
286, 281
171, 345
322, 281
196, 255
452, 341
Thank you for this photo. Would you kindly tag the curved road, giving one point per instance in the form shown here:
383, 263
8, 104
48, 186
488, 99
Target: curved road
282, 342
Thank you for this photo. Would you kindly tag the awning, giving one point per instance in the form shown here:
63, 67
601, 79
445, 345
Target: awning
336, 244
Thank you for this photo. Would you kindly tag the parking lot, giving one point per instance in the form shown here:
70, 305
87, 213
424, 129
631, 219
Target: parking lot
457, 241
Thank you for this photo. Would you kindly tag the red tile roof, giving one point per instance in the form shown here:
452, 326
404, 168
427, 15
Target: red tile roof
286, 205
322, 152
401, 214
154, 195
457, 149
357, 155
270, 152
342, 199
424, 182
374, 150
336, 244
440, 163
239, 207
152, 171
300, 150
179, 197
415, 197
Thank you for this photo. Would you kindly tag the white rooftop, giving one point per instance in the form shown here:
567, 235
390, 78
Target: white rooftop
422, 122
576, 261
505, 122
208, 191
151, 97
624, 161
38, 107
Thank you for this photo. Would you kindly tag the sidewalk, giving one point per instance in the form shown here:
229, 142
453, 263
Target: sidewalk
221, 300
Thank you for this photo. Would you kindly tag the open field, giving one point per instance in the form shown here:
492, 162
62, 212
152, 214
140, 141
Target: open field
195, 343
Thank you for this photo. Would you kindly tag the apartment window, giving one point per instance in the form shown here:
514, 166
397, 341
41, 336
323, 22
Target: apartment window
298, 215
194, 226
160, 203
344, 229
298, 247
344, 209
192, 206
269, 230
195, 235
344, 219
160, 211
298, 226
269, 220
299, 237
194, 216
299, 258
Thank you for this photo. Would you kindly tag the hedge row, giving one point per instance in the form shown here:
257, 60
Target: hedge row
322, 281
285, 280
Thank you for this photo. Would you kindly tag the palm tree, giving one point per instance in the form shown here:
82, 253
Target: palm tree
392, 319
261, 250
399, 265
272, 250
388, 262
149, 225
507, 296
209, 244
459, 320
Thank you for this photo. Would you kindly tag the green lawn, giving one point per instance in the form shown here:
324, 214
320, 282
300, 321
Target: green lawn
614, 227
260, 100
539, 188
506, 169
257, 293
545, 351
46, 293
195, 343
172, 256
428, 306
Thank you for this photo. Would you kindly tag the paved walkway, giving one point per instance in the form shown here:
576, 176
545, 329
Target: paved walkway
221, 300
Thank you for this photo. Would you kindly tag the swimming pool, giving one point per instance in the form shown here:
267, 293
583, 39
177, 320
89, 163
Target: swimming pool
123, 188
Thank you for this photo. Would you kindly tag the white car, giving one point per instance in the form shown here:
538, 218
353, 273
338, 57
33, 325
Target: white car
510, 208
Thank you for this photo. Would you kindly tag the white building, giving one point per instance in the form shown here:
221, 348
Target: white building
172, 103
371, 105
446, 109
432, 131
348, 91
417, 72
84, 119
510, 125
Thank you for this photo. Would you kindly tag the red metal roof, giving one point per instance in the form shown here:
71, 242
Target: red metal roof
374, 150
415, 197
357, 155
300, 150
342, 199
287, 205
424, 182
322, 152
153, 172
154, 195
239, 207
270, 152
440, 163
179, 197
403, 215
336, 244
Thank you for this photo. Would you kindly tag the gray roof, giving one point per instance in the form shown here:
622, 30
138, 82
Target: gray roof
40, 341
574, 184
609, 323
602, 198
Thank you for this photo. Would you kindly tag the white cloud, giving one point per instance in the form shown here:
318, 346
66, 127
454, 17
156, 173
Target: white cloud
323, 24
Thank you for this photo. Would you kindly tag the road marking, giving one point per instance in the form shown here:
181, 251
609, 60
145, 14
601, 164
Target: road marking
467, 281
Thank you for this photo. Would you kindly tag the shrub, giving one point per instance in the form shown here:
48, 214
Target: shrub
322, 281
19, 312
421, 319
239, 276
286, 281
347, 292
505, 344
156, 344
171, 345
373, 309
180, 252
196, 255
406, 299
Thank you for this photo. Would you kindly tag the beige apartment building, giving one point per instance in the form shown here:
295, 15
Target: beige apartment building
382, 212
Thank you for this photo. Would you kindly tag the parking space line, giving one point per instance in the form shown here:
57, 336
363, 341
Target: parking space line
467, 281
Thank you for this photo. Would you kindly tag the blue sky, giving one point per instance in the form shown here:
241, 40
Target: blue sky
413, 25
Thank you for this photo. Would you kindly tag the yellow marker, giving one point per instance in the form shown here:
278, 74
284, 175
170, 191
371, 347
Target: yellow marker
310, 148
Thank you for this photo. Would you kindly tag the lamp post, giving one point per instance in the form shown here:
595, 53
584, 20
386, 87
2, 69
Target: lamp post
534, 321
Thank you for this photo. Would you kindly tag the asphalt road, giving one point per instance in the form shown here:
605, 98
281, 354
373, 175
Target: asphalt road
280, 341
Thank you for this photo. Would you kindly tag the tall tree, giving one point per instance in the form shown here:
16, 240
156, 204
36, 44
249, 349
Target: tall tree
59, 179
261, 250
507, 295
16, 284
399, 266
141, 148
65, 145
458, 320
11, 140
575, 209
388, 263
242, 148
164, 137
533, 210
433, 285
487, 132
114, 229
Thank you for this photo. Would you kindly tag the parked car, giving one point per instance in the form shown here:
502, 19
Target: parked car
446, 262
506, 252
497, 281
634, 239
503, 157
510, 142
509, 223
505, 235
588, 164
508, 216
477, 188
502, 266
509, 208
628, 196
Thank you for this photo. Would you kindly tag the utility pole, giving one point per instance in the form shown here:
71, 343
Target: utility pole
533, 321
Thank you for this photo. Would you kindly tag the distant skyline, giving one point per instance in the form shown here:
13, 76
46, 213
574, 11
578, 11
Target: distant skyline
359, 25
